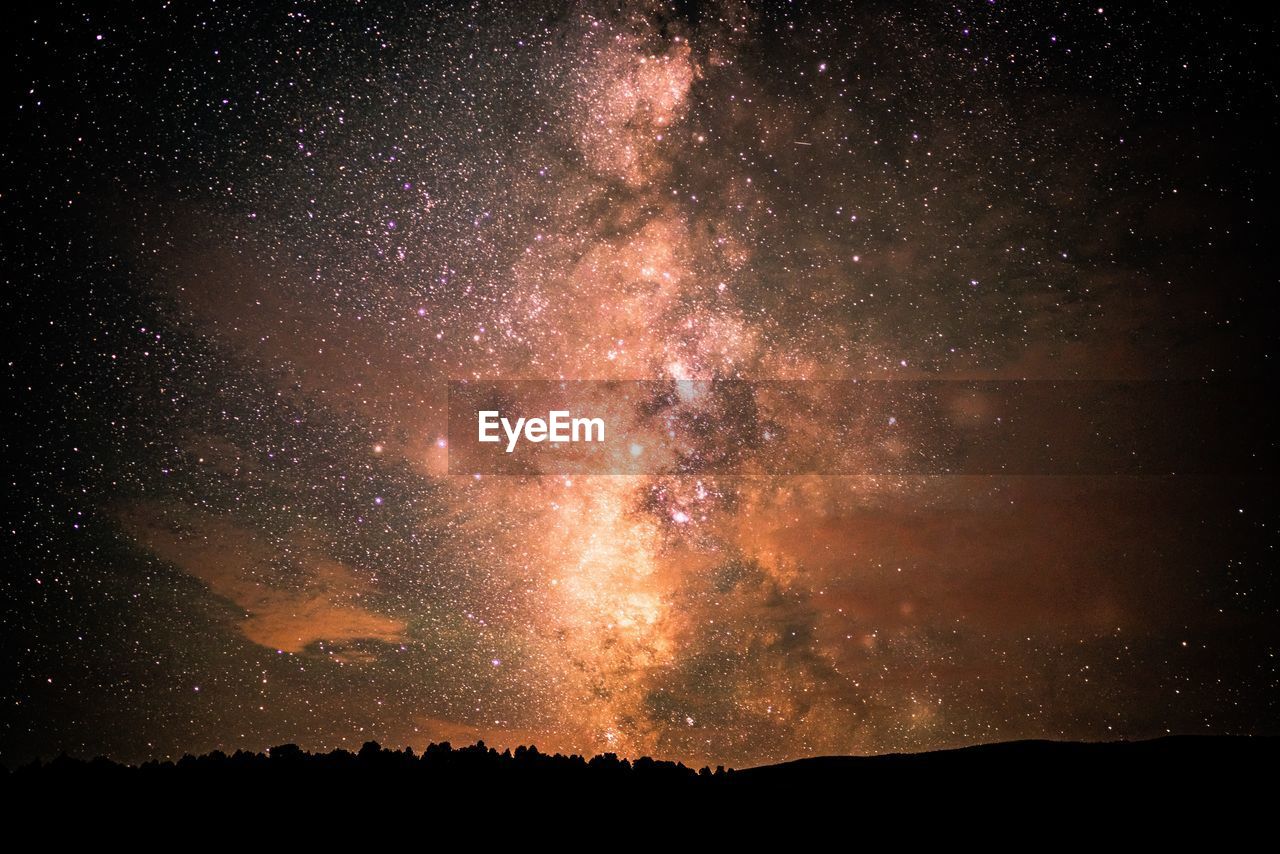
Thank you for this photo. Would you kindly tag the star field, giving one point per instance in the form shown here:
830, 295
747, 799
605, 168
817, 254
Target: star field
246, 248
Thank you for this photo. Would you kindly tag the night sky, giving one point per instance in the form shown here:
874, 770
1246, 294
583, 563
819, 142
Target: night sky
246, 248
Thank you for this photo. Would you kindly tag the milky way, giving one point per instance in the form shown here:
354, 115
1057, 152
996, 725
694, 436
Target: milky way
247, 250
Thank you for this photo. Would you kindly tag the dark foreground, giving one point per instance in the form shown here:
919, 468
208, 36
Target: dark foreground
1180, 766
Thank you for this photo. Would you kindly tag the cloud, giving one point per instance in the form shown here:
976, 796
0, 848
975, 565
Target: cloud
292, 596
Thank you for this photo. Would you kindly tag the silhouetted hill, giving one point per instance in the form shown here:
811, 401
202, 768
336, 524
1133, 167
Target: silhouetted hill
1100, 764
